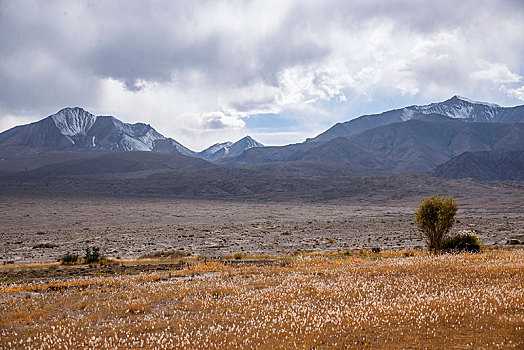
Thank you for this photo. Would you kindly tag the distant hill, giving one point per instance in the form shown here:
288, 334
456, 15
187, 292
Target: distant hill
209, 153
268, 154
456, 107
260, 183
113, 163
484, 165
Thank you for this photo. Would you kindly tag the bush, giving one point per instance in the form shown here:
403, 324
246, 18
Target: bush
92, 255
435, 217
462, 241
69, 259
376, 250
45, 245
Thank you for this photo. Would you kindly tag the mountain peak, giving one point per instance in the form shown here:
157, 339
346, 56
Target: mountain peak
75, 129
229, 149
73, 121
72, 110
248, 139
458, 98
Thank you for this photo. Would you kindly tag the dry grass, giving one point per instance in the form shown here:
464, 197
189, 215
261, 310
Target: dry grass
347, 300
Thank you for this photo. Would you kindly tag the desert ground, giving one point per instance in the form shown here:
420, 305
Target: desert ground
210, 274
42, 229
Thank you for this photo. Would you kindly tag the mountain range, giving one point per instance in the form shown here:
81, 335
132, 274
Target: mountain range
453, 139
417, 145
74, 129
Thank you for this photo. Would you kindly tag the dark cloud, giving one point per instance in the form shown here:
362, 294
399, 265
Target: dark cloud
58, 53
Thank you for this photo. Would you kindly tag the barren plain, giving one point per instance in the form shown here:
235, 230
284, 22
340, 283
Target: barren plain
42, 229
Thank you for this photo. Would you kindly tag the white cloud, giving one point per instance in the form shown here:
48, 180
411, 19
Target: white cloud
517, 93
219, 120
494, 73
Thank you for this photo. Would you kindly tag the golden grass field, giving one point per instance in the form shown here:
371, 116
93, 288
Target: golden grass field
337, 300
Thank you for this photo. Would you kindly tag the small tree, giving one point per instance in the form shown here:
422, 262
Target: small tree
435, 217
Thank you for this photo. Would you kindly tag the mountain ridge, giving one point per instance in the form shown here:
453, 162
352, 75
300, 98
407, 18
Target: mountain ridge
417, 145
456, 107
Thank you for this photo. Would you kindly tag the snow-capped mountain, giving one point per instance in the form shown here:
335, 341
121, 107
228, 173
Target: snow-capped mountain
456, 107
75, 129
208, 152
229, 149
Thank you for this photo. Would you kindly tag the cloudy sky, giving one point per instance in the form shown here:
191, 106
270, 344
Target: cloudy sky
209, 71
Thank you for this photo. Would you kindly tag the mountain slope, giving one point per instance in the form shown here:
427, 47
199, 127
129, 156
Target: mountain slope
417, 145
456, 107
74, 129
268, 154
171, 146
228, 149
484, 165
211, 150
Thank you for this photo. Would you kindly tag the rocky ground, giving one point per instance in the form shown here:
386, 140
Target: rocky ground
38, 229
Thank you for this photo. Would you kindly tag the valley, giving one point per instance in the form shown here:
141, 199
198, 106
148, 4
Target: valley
261, 174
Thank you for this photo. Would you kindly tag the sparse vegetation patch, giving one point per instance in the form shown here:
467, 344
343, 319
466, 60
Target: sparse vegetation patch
92, 255
69, 258
315, 300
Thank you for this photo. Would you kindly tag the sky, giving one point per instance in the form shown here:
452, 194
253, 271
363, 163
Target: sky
281, 71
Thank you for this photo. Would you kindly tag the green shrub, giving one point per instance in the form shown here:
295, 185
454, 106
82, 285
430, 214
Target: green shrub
92, 255
69, 259
462, 241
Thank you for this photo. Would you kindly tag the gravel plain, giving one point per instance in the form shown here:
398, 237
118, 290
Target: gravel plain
42, 229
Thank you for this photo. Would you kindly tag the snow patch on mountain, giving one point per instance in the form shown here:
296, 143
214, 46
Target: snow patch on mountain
208, 152
74, 121
476, 102
456, 107
128, 143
